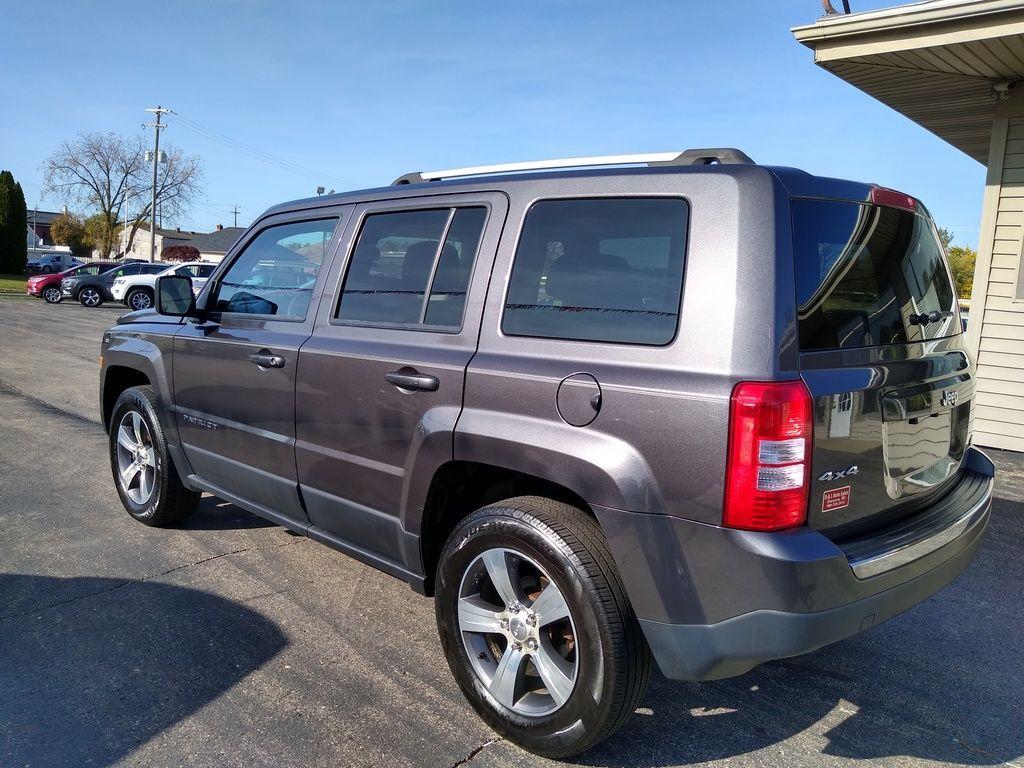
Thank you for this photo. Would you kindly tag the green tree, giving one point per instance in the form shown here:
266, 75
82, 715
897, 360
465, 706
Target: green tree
961, 263
13, 226
102, 232
67, 229
945, 237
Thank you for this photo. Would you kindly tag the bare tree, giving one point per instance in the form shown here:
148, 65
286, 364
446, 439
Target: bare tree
106, 171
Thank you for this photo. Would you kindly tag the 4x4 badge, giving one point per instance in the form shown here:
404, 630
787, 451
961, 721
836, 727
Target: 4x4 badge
838, 474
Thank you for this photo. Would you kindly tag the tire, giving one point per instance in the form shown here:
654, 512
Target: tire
51, 294
90, 296
600, 675
47, 270
153, 493
139, 296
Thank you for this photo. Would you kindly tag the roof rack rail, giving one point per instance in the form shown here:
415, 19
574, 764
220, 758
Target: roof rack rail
723, 155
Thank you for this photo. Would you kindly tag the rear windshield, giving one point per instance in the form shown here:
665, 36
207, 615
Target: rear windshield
868, 275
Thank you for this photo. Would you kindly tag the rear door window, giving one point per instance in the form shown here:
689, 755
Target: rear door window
412, 268
608, 269
869, 275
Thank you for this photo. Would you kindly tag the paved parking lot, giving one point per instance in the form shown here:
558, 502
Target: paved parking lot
230, 642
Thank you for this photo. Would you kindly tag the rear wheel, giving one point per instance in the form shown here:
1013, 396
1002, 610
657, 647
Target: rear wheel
51, 295
139, 298
144, 474
90, 297
536, 626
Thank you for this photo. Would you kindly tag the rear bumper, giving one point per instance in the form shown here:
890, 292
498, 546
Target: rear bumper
715, 603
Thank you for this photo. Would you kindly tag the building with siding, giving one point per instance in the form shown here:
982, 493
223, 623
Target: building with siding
954, 67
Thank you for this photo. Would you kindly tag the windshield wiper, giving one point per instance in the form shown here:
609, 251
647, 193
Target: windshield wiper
931, 317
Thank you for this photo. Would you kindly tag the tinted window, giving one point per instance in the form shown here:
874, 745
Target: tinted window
94, 269
399, 275
195, 270
866, 275
599, 270
152, 269
275, 273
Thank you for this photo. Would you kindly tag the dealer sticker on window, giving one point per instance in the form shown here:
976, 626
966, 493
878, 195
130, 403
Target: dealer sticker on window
836, 498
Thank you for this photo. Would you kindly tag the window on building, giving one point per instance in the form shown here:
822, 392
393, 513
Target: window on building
607, 269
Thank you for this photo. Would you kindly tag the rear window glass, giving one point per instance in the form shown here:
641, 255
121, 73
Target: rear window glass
869, 275
599, 270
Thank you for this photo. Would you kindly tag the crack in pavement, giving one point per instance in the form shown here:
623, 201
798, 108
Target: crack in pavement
144, 579
472, 755
41, 404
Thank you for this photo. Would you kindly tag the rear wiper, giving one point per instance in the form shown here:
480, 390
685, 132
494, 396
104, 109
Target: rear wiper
931, 317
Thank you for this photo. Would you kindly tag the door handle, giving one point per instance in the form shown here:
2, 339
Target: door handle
267, 360
412, 381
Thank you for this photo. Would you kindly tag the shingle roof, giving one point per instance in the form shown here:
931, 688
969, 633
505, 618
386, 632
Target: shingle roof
218, 241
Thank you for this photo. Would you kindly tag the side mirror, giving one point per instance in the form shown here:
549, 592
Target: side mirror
174, 296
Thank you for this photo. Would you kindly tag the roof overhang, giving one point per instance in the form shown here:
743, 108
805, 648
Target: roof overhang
942, 63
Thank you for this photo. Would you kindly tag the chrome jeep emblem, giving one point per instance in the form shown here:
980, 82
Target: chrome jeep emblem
949, 398
838, 474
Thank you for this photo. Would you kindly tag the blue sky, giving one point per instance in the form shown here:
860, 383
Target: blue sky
359, 93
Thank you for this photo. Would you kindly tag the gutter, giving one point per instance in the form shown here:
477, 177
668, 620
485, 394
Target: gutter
905, 17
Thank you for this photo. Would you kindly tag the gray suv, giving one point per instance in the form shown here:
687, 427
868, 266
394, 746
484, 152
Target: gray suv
677, 406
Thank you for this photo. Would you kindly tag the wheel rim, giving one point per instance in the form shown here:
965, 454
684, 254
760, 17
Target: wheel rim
136, 458
90, 297
139, 300
51, 294
518, 632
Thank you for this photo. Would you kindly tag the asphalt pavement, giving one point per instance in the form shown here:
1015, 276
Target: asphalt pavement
230, 642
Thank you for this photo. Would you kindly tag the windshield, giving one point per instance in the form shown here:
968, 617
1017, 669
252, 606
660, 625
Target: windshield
869, 275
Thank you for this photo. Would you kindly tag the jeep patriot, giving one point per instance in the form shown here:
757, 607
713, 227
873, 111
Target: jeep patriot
675, 406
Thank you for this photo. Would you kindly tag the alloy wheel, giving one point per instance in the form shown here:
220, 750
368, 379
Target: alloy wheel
51, 295
136, 458
518, 632
90, 297
140, 300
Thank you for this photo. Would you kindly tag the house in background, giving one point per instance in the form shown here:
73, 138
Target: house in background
38, 234
956, 67
215, 245
164, 238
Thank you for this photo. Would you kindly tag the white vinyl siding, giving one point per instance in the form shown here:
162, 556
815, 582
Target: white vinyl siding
999, 404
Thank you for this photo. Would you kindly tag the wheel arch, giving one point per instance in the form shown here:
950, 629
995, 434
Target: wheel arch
116, 379
460, 487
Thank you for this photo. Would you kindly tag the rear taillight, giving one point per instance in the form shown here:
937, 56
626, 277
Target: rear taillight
767, 476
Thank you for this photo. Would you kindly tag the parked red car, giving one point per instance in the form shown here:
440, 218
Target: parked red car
48, 286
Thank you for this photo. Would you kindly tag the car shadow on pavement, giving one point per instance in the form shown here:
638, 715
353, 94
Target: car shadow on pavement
940, 683
216, 515
101, 666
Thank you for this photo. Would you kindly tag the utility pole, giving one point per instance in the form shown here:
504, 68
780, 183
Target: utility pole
235, 211
156, 126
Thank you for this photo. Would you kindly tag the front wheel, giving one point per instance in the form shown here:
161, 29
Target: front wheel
537, 628
146, 478
139, 298
51, 295
90, 297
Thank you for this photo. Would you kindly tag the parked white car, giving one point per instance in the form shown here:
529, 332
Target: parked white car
136, 291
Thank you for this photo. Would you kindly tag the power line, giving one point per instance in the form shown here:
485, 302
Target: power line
254, 152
